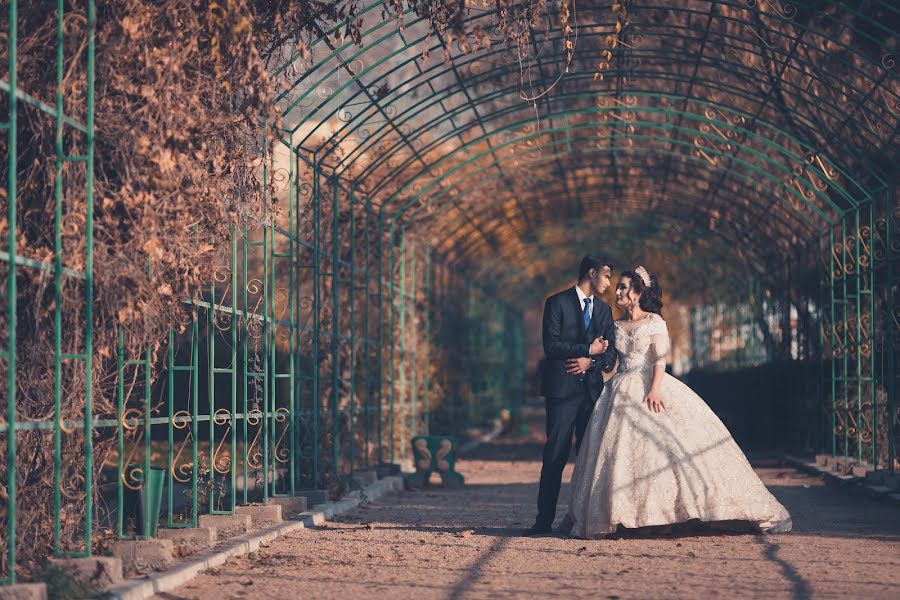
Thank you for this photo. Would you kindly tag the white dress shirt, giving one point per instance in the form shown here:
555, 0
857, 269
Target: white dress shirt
581, 297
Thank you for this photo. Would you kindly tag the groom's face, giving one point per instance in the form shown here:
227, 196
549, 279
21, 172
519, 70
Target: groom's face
600, 280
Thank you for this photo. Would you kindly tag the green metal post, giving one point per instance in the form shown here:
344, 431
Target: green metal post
380, 350
245, 375
368, 335
57, 280
832, 259
426, 344
401, 298
335, 326
11, 302
89, 288
317, 307
351, 288
392, 300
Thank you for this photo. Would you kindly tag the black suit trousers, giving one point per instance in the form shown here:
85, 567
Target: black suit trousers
565, 416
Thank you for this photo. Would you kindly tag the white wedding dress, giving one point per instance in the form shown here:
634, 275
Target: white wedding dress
637, 468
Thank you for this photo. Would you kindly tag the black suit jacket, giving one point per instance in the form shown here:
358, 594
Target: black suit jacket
564, 337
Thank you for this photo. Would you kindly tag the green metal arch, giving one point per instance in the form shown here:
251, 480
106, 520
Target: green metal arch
662, 214
449, 228
593, 124
492, 264
481, 16
479, 183
453, 88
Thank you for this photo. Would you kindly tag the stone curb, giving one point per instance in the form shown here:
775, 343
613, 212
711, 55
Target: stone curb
876, 491
184, 571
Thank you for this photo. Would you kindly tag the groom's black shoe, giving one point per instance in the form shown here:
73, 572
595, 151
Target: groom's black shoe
538, 531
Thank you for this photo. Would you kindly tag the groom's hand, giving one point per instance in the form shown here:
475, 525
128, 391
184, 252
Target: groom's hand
577, 366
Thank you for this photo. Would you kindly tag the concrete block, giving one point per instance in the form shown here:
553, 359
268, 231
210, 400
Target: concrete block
98, 571
227, 526
261, 514
144, 556
190, 539
314, 497
823, 459
859, 470
24, 591
366, 478
291, 505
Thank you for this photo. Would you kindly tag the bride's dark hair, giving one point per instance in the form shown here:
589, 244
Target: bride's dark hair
651, 297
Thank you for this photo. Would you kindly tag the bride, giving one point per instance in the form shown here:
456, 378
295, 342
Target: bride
654, 454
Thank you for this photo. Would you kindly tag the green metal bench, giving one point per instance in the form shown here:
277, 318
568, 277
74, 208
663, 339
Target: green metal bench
434, 454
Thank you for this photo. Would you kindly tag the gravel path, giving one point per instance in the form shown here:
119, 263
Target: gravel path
465, 544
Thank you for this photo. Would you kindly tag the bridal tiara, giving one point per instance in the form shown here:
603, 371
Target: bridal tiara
644, 275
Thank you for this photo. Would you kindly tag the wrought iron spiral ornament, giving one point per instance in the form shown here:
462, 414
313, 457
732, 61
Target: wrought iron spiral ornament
282, 332
816, 161
864, 249
133, 478
700, 151
849, 246
254, 322
254, 416
254, 455
865, 325
282, 454
837, 349
837, 253
879, 238
130, 419
73, 488
181, 473
324, 91
222, 416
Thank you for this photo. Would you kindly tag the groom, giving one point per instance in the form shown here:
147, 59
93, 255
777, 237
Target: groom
579, 343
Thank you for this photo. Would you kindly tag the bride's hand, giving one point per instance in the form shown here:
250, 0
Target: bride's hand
655, 402
598, 346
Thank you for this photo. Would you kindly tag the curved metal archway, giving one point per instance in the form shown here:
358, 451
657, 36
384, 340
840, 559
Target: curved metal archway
753, 141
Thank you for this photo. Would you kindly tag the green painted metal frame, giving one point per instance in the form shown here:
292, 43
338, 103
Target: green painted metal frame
434, 87
862, 332
261, 350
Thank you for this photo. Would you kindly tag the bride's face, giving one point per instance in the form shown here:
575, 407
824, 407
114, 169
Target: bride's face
626, 298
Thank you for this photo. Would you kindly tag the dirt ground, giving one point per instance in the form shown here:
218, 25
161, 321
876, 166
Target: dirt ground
466, 544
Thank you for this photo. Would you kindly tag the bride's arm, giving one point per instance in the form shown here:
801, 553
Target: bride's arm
659, 348
654, 396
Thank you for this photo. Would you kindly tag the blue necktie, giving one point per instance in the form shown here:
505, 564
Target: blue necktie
586, 313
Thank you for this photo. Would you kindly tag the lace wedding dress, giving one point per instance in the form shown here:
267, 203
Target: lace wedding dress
637, 468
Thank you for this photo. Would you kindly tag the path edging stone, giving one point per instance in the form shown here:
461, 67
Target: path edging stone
184, 571
843, 479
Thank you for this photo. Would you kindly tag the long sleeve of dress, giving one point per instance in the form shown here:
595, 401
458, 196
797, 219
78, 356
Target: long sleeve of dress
660, 345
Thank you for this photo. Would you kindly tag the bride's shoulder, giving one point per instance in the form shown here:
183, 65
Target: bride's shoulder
655, 321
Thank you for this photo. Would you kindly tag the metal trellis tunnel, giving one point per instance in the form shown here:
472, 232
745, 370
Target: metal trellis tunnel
744, 150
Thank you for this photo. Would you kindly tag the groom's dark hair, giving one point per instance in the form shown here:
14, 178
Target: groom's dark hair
592, 262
